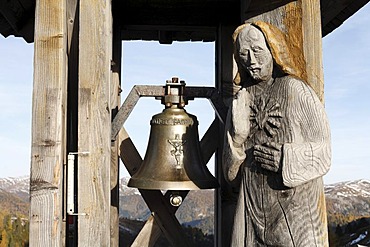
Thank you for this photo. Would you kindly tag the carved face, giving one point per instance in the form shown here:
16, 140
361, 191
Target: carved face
254, 55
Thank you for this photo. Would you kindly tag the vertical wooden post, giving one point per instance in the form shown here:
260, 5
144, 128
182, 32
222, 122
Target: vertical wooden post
115, 104
225, 201
48, 123
312, 45
301, 22
94, 123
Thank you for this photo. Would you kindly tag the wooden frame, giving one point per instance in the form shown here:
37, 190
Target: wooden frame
74, 50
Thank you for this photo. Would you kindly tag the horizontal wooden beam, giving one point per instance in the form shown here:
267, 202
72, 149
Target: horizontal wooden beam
335, 12
17, 18
183, 13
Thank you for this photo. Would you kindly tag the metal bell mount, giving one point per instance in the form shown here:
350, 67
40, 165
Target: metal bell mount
173, 159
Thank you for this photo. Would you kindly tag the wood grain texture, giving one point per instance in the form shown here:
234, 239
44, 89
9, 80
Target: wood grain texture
300, 22
48, 124
94, 123
148, 235
283, 207
281, 197
312, 45
226, 70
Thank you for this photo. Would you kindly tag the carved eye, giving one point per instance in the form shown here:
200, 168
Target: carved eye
243, 53
257, 49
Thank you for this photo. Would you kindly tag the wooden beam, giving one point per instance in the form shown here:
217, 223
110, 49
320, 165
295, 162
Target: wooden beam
148, 235
11, 12
225, 72
94, 123
48, 123
300, 21
115, 103
335, 12
312, 45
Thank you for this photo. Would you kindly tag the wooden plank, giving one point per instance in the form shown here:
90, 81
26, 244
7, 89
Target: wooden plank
312, 45
115, 103
335, 12
94, 123
226, 71
300, 22
148, 235
48, 123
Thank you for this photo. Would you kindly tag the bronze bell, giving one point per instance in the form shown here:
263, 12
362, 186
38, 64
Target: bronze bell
173, 159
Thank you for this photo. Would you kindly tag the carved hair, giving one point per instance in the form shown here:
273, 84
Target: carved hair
286, 57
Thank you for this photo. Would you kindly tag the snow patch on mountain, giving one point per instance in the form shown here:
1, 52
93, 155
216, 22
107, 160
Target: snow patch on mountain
357, 188
16, 185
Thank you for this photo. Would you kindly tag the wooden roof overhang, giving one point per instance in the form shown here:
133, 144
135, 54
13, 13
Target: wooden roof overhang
180, 20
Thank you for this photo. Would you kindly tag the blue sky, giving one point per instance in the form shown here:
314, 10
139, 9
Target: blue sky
346, 53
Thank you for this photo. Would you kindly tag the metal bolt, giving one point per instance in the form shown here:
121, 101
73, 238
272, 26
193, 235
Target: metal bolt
175, 200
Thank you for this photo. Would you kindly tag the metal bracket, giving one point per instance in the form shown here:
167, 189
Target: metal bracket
210, 93
71, 185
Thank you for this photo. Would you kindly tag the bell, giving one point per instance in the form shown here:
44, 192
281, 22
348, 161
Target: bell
173, 159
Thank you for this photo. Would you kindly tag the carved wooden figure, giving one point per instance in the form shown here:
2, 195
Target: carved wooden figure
277, 146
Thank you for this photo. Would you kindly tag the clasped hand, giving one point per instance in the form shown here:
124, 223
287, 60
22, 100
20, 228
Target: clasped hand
268, 155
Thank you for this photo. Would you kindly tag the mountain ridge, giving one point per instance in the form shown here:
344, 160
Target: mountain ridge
19, 185
347, 203
342, 198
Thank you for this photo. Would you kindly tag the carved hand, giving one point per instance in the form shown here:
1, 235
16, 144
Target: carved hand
240, 114
268, 155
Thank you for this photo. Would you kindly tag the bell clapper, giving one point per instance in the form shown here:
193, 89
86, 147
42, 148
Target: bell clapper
175, 200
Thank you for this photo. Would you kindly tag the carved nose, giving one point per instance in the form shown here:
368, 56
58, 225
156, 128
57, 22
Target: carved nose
252, 58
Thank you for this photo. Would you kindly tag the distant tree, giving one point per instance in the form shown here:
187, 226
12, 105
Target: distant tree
198, 238
15, 232
4, 239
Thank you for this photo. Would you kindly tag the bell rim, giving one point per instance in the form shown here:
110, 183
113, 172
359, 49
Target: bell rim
148, 184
